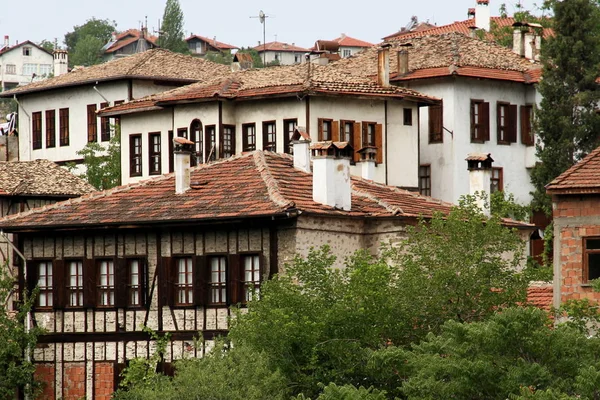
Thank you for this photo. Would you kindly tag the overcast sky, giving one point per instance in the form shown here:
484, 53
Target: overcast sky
296, 21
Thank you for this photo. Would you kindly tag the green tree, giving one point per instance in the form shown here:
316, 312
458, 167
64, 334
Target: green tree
47, 45
103, 164
257, 61
567, 120
95, 33
219, 57
503, 35
171, 31
15, 368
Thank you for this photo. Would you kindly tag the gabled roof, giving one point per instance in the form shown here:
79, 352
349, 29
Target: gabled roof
449, 54
25, 43
125, 38
581, 178
257, 184
463, 27
155, 64
280, 46
348, 41
40, 178
213, 42
279, 81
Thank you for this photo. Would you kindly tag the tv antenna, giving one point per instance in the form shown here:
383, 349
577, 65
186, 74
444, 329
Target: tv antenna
262, 17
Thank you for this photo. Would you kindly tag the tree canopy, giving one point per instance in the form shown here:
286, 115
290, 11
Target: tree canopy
103, 164
567, 120
85, 42
171, 31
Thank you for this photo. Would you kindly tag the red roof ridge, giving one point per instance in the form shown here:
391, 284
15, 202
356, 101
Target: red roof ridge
562, 177
371, 196
270, 182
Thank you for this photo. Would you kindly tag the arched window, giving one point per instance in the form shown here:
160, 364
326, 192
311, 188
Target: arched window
196, 137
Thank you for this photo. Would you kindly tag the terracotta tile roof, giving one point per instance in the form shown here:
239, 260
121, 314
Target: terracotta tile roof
257, 184
279, 46
127, 37
213, 42
156, 64
540, 295
40, 178
273, 81
25, 43
445, 55
583, 177
351, 42
463, 27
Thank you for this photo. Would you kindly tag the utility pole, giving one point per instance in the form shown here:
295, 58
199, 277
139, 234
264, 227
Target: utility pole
262, 17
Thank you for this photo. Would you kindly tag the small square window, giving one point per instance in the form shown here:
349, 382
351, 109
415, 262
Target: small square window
27, 51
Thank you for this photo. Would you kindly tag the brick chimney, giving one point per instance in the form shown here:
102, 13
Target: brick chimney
301, 146
182, 152
332, 185
383, 65
480, 177
482, 15
403, 59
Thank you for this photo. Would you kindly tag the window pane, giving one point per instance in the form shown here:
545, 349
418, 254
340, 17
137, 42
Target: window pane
593, 266
592, 244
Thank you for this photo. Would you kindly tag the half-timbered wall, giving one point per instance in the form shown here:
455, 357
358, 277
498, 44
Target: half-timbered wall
92, 343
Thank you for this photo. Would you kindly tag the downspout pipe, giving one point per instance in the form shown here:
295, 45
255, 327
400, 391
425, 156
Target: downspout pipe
20, 107
101, 95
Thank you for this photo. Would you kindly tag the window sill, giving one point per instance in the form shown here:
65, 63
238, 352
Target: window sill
478, 141
589, 285
435, 141
503, 143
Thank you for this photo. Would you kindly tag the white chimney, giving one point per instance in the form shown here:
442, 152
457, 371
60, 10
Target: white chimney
383, 65
367, 161
532, 46
331, 175
6, 44
482, 15
518, 40
480, 177
183, 149
61, 62
301, 146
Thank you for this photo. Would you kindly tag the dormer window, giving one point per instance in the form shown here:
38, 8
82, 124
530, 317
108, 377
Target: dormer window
26, 51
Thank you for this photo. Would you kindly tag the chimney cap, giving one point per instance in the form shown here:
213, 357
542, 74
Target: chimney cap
476, 161
335, 149
486, 2
300, 134
183, 144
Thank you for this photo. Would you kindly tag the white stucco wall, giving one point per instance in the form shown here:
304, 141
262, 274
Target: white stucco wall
449, 175
37, 57
284, 57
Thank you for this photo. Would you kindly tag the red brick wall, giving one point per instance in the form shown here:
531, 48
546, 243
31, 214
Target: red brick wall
44, 374
104, 375
74, 381
576, 206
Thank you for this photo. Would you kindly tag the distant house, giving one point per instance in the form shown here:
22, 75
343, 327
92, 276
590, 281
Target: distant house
127, 43
350, 45
200, 45
57, 117
282, 53
23, 63
576, 211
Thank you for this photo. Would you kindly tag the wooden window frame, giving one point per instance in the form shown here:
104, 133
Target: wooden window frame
219, 285
210, 141
499, 179
79, 289
92, 123
436, 123
227, 145
480, 121
171, 136
133, 288
585, 279
268, 144
104, 125
407, 116
36, 130
135, 155
50, 128
365, 133
46, 289
325, 135
425, 191
248, 131
196, 135
106, 292
185, 288
527, 133
63, 119
254, 283
506, 123
154, 155
292, 123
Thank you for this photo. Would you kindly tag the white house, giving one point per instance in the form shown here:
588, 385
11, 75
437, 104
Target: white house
260, 109
23, 63
57, 117
283, 53
350, 46
200, 45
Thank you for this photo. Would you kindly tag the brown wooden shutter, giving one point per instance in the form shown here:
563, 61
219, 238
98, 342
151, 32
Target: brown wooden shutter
473, 105
234, 280
89, 283
32, 276
121, 280
58, 288
499, 137
512, 120
357, 139
164, 281
485, 120
320, 130
335, 134
143, 279
201, 275
379, 143
364, 134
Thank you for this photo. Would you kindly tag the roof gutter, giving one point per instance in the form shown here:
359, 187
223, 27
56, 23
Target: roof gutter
101, 95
